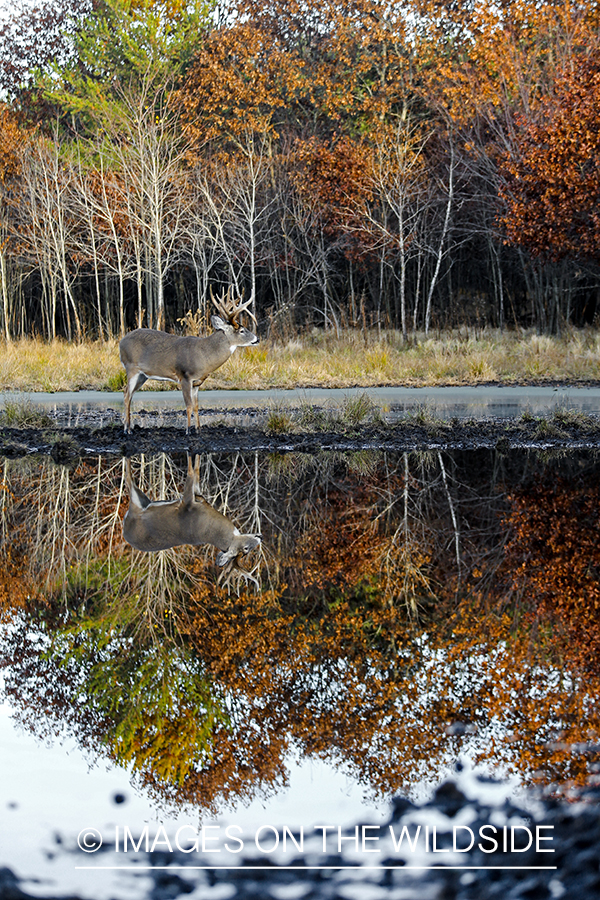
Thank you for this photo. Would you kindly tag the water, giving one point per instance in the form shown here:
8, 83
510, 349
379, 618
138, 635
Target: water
403, 612
477, 401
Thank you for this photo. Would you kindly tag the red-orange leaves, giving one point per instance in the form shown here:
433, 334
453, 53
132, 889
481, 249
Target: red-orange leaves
336, 177
553, 185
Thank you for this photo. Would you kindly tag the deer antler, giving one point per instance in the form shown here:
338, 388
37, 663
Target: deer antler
235, 570
231, 309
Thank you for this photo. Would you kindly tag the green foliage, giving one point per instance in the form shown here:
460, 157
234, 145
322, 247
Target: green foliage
426, 418
116, 382
363, 462
314, 418
546, 429
279, 422
97, 577
124, 46
157, 709
573, 418
360, 409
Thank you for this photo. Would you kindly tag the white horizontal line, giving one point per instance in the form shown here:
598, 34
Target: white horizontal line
276, 868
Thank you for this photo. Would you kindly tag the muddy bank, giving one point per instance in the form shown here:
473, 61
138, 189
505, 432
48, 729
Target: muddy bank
250, 430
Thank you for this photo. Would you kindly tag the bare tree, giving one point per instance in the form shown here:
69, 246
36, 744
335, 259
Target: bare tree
51, 226
238, 199
149, 153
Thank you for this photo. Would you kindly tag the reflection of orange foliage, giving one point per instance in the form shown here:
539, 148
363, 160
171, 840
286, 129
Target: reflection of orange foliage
554, 555
16, 584
328, 663
341, 550
516, 677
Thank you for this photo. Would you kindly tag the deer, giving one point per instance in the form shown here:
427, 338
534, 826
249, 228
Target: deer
188, 360
152, 525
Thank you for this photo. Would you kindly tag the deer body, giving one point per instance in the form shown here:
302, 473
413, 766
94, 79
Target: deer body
152, 525
146, 353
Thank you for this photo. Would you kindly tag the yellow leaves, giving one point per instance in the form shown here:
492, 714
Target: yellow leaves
12, 138
507, 55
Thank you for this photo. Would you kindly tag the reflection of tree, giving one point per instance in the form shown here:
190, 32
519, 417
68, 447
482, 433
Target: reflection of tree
67, 526
148, 705
554, 559
207, 700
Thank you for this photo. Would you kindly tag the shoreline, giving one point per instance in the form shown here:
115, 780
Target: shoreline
411, 434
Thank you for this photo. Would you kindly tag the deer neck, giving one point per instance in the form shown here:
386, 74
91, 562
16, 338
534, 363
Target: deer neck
221, 345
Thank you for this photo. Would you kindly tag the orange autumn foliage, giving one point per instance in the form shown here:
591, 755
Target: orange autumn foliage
552, 178
11, 141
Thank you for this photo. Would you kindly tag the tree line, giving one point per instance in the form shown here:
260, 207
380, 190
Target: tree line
407, 164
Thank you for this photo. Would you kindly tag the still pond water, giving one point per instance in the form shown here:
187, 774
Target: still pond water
401, 612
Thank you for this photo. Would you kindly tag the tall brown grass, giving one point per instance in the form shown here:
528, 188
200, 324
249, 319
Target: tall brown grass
321, 359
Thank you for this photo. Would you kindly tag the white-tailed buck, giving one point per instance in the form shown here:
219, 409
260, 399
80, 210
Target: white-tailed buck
153, 525
147, 353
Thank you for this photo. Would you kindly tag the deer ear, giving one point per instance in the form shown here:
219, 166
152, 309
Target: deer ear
221, 325
137, 498
223, 558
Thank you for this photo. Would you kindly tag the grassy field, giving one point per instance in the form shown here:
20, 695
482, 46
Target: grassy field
322, 360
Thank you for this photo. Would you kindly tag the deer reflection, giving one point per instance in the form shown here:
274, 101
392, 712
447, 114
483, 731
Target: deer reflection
152, 525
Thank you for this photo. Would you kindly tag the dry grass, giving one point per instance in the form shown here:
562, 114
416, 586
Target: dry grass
35, 365
321, 360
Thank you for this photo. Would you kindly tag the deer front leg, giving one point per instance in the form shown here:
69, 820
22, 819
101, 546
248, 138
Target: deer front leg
196, 474
127, 406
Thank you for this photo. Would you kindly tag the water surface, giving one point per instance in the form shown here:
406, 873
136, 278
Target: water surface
403, 612
476, 401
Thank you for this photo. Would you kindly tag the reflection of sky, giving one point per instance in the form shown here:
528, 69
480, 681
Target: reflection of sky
57, 792
52, 791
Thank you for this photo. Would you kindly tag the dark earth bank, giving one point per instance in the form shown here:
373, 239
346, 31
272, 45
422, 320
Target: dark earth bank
254, 430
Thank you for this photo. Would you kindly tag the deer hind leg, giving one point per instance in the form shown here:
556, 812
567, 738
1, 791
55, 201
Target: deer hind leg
190, 484
186, 390
195, 399
193, 475
134, 383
